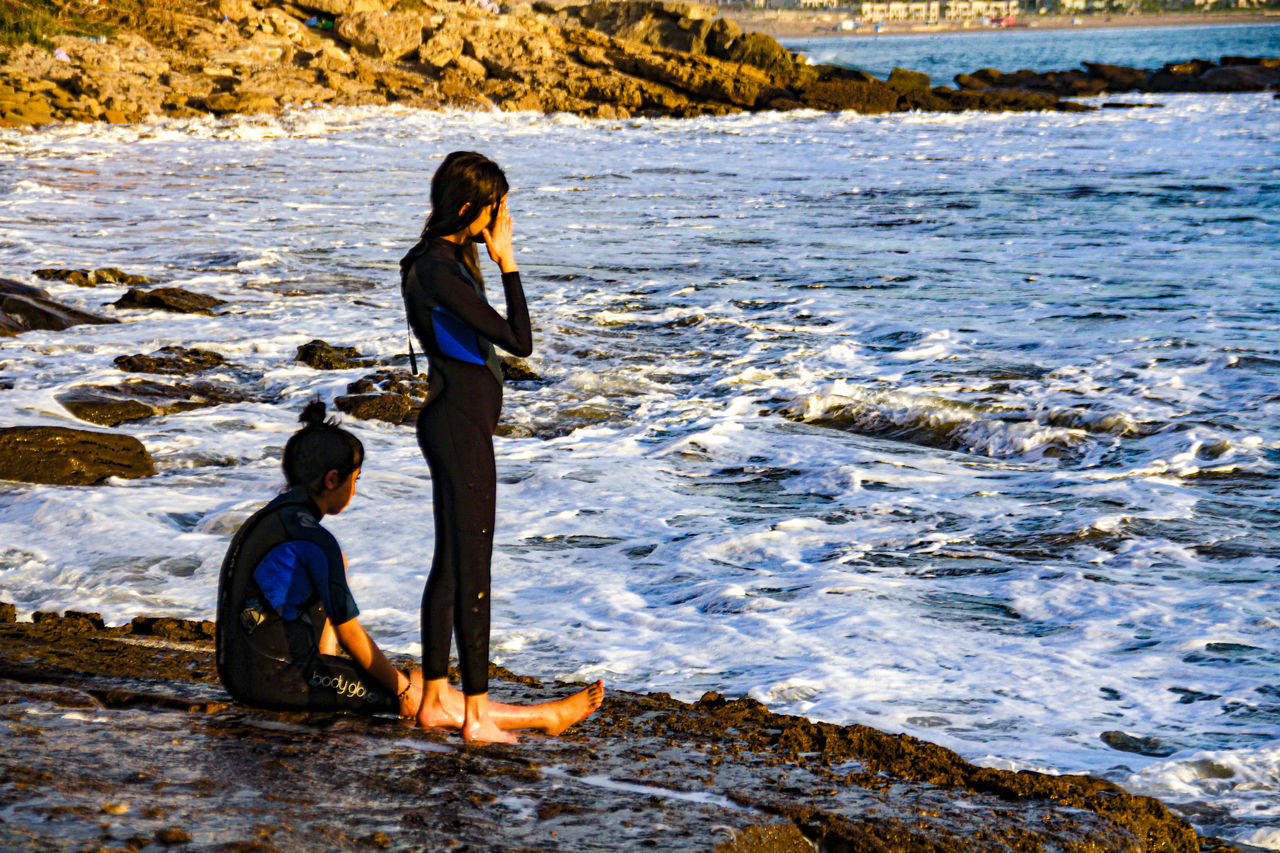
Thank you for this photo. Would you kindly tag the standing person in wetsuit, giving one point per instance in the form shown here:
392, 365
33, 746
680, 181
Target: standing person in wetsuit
285, 609
458, 329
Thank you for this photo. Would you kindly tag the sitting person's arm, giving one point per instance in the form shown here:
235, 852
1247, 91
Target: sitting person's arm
365, 652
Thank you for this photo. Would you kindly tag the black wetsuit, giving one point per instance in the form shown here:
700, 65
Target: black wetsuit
268, 639
458, 330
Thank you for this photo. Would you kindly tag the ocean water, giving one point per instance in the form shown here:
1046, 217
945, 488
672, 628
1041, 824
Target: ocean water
957, 425
944, 55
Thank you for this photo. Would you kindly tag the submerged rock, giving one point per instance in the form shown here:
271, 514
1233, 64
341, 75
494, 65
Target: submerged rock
173, 299
90, 278
387, 395
135, 399
1150, 746
170, 360
1230, 74
24, 308
518, 370
325, 356
72, 457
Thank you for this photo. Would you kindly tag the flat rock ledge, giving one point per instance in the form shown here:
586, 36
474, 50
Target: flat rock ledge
157, 753
24, 308
1228, 74
173, 299
604, 60
70, 457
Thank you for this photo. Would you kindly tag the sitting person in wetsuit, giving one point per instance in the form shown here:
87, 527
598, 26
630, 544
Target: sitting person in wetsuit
285, 609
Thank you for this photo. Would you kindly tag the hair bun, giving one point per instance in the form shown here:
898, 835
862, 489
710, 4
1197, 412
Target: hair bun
312, 413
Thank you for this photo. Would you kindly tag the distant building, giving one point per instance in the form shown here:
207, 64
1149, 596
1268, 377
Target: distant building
934, 10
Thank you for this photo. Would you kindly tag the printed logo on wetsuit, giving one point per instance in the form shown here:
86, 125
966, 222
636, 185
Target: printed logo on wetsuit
344, 686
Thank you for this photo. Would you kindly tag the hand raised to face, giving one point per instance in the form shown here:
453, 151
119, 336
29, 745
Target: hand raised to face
497, 238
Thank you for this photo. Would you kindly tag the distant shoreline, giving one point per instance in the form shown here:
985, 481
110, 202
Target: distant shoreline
793, 23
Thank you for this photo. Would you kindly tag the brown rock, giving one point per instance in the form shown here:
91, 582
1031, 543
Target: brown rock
8, 612
386, 35
177, 630
1120, 78
343, 7
89, 278
9, 287
721, 36
387, 395
325, 356
73, 457
903, 80
444, 46
244, 103
843, 94
1239, 78
135, 399
382, 407
763, 52
24, 307
172, 835
518, 370
170, 360
173, 299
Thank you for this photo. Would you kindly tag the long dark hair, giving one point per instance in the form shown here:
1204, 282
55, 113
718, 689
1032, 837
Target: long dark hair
464, 179
319, 447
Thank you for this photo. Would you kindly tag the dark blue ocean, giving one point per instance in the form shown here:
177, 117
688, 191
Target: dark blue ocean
944, 55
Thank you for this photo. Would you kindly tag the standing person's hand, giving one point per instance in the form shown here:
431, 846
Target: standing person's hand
497, 238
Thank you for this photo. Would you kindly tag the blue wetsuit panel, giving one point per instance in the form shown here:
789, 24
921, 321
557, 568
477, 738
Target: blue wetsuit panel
294, 573
455, 338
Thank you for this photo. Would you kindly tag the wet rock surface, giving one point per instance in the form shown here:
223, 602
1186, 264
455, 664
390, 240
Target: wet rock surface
92, 278
157, 749
386, 395
173, 299
324, 356
1228, 74
135, 399
24, 308
397, 396
171, 360
70, 457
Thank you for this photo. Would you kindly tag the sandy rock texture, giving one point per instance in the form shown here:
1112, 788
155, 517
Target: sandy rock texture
604, 59
127, 730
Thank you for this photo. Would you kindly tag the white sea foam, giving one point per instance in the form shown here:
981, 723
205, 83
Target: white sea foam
1033, 501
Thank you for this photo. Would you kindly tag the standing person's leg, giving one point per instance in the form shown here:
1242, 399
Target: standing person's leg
479, 480
439, 594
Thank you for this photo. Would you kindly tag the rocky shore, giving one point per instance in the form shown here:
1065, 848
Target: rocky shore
120, 738
611, 60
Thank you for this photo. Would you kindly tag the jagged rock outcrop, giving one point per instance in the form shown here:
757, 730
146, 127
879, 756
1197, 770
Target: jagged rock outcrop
603, 59
71, 457
1229, 74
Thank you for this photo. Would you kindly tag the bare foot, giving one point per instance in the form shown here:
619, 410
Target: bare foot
432, 715
563, 713
485, 731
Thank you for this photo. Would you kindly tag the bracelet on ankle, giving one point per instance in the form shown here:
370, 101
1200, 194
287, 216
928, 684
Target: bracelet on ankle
407, 687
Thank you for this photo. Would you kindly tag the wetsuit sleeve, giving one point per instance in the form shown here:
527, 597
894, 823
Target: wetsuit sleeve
329, 579
456, 295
